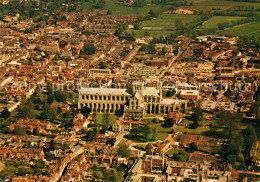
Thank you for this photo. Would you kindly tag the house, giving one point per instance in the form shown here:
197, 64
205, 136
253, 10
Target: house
153, 163
80, 122
32, 126
122, 125
103, 138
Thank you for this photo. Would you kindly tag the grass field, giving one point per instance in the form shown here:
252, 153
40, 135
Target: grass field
99, 118
167, 21
198, 130
215, 20
248, 29
162, 133
111, 5
210, 5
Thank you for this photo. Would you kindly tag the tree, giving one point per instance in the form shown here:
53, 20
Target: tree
170, 92
192, 147
152, 13
180, 156
164, 50
250, 138
50, 99
100, 4
232, 159
168, 123
85, 111
197, 114
89, 49
139, 3
124, 151
154, 134
227, 93
48, 112
109, 12
103, 65
110, 142
63, 43
146, 132
5, 113
52, 145
26, 111
179, 26
60, 96
90, 134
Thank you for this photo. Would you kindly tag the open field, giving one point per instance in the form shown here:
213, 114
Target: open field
162, 133
111, 5
248, 29
164, 22
100, 118
215, 20
167, 21
210, 5
198, 130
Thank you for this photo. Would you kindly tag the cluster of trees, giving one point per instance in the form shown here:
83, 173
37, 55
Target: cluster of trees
89, 49
139, 3
196, 116
99, 4
150, 48
35, 9
170, 2
152, 13
63, 43
124, 151
21, 168
169, 93
181, 156
249, 42
124, 52
168, 123
103, 65
235, 13
120, 30
240, 141
143, 134
90, 134
164, 40
107, 175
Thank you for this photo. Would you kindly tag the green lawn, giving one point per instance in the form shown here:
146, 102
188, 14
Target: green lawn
215, 20
162, 133
111, 5
247, 29
167, 21
100, 118
199, 130
173, 151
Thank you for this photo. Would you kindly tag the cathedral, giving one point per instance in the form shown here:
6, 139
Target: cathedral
135, 102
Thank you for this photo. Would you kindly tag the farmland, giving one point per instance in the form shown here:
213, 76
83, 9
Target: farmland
111, 5
164, 24
167, 21
215, 20
248, 29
